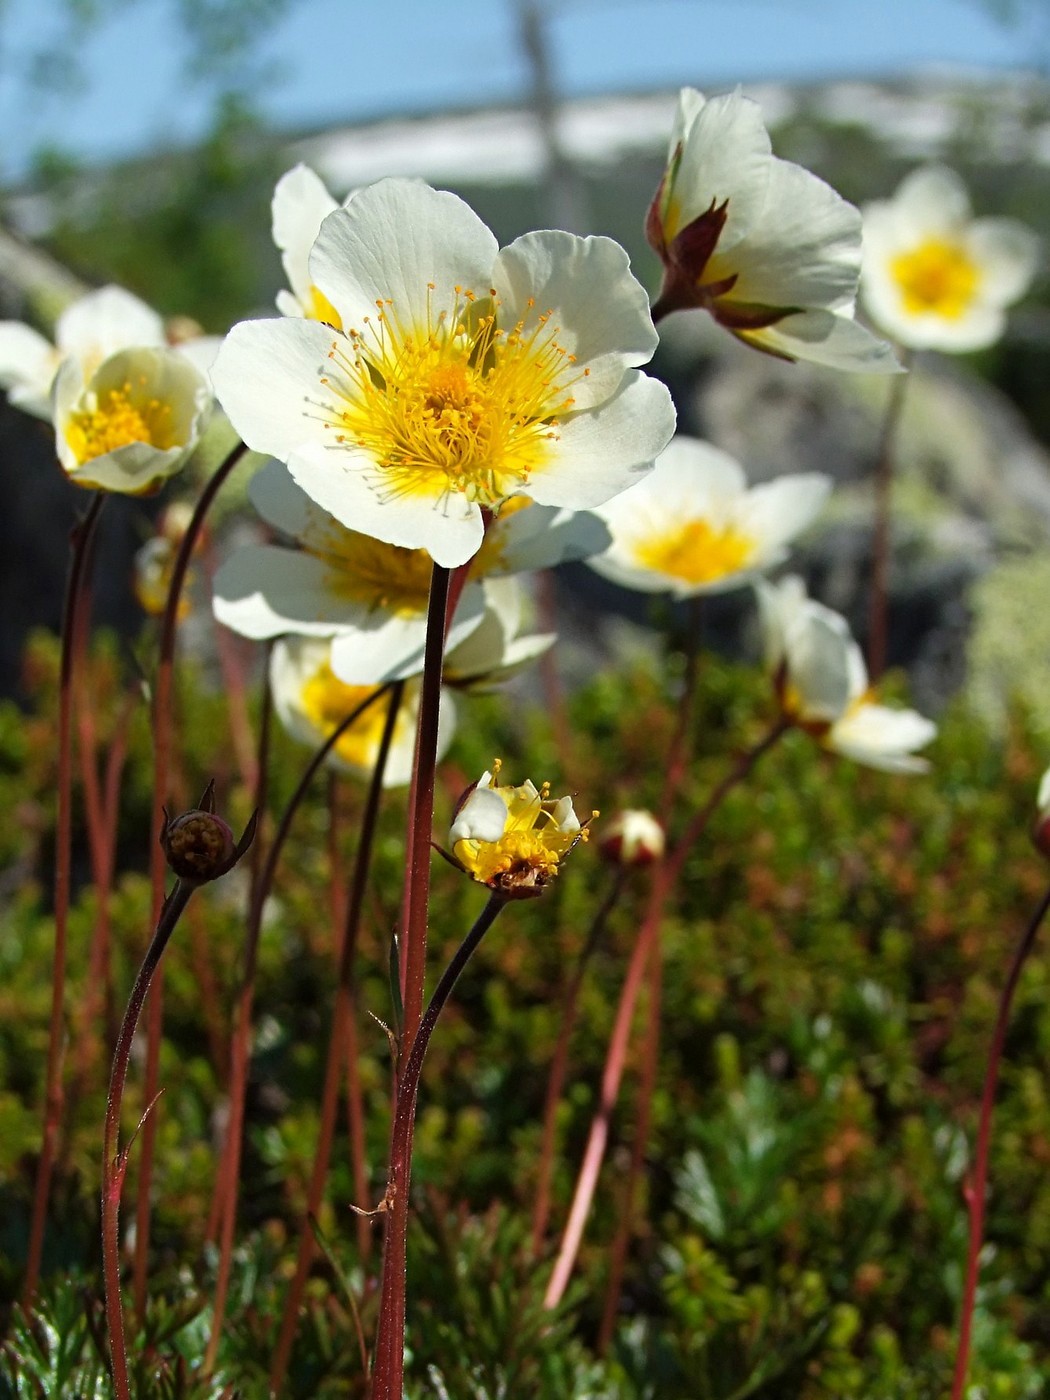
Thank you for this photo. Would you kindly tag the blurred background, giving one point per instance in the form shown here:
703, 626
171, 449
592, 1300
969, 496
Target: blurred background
143, 139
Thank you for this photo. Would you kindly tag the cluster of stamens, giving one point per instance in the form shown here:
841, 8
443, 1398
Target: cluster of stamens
114, 420
695, 551
460, 404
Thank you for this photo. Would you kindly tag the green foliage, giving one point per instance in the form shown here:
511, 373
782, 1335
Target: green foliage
832, 962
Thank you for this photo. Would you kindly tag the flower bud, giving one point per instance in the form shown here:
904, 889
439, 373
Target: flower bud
633, 837
199, 846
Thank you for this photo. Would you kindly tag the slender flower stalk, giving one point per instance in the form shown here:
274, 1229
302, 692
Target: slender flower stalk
79, 548
224, 1205
977, 1182
387, 1382
162, 739
664, 881
338, 1045
878, 617
560, 1059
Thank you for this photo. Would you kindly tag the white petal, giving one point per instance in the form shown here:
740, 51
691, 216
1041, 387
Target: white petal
882, 737
392, 241
822, 338
263, 591
932, 200
776, 512
349, 486
267, 377
541, 537
383, 648
803, 251
483, 817
1007, 254
817, 648
300, 205
103, 322
286, 506
1043, 800
604, 451
726, 155
28, 363
598, 312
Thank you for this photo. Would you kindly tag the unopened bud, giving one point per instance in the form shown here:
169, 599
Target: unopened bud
633, 837
199, 846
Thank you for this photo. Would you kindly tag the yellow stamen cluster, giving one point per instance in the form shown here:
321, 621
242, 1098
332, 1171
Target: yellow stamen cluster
384, 577
116, 420
326, 702
936, 276
696, 551
459, 404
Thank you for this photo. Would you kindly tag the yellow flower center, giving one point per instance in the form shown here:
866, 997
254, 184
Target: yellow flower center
936, 276
116, 420
321, 309
696, 551
326, 702
384, 577
528, 853
457, 405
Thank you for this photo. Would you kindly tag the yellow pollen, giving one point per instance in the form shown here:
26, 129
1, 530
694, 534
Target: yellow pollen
115, 421
531, 846
384, 577
321, 309
326, 702
695, 551
457, 404
936, 276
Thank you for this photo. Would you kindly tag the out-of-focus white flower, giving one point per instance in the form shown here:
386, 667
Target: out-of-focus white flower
692, 526
633, 837
822, 683
89, 331
132, 423
459, 375
513, 839
312, 702
301, 203
769, 250
497, 649
936, 278
1041, 830
371, 595
155, 561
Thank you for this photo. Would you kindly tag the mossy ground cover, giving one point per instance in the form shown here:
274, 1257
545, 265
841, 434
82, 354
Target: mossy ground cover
831, 968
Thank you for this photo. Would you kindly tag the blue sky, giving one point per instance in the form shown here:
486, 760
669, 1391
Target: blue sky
333, 60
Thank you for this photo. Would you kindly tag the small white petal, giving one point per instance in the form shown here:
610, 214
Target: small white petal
28, 364
725, 156
483, 817
301, 203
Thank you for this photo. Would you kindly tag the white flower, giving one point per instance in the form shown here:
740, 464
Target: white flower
301, 203
461, 376
1043, 800
692, 526
311, 702
1041, 830
497, 649
89, 331
513, 839
633, 837
933, 276
132, 423
823, 687
374, 595
771, 251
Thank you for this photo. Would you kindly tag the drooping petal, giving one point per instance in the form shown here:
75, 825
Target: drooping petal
822, 338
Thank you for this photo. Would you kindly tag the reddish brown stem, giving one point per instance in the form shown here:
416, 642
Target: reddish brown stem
664, 881
231, 664
560, 1060
115, 1161
646, 1089
223, 1215
977, 1184
388, 1381
878, 620
80, 542
162, 740
337, 1050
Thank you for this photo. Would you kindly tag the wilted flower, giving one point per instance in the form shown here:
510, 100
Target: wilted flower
513, 839
311, 702
88, 331
692, 526
822, 683
133, 422
633, 837
199, 846
933, 276
769, 250
459, 375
